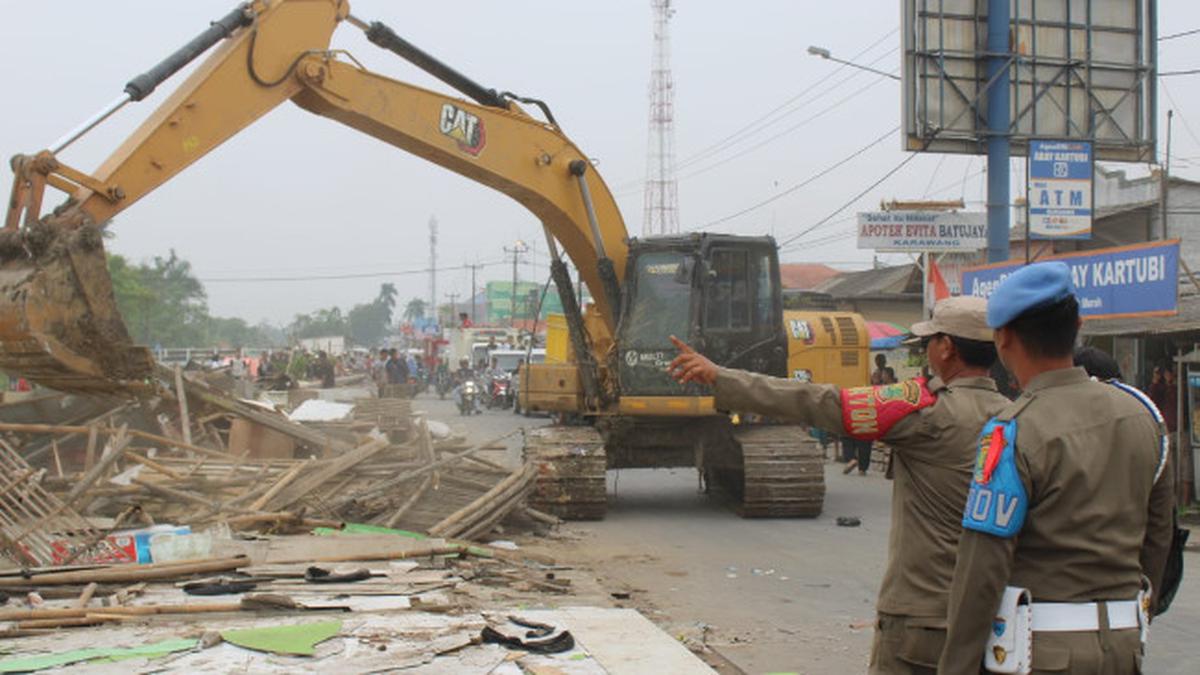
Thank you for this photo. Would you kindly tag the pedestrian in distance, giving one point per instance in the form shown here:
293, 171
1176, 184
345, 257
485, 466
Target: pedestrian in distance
932, 428
1068, 510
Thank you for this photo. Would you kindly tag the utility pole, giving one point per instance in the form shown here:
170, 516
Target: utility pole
474, 289
1165, 182
453, 305
518, 248
433, 228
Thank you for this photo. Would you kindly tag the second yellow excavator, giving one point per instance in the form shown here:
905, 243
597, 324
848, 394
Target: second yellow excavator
60, 327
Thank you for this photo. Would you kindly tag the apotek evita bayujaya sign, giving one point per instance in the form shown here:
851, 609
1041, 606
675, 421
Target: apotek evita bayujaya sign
922, 231
1126, 281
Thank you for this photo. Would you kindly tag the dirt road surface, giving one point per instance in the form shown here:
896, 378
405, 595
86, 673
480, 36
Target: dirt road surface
770, 596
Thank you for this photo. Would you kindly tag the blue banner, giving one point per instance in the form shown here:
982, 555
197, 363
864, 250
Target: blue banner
1138, 280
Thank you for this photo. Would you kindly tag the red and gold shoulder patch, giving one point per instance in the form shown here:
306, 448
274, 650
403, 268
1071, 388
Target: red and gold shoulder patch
868, 413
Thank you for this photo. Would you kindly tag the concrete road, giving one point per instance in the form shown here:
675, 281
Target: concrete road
769, 595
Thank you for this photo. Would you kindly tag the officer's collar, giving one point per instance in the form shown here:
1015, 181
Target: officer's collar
1056, 378
971, 382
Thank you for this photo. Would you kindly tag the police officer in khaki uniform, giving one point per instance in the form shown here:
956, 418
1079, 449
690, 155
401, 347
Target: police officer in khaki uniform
932, 431
1069, 506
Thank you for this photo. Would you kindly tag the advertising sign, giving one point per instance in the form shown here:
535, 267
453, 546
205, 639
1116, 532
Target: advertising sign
922, 231
1110, 283
1081, 72
1060, 190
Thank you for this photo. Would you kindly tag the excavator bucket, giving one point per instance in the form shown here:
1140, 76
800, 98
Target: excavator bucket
59, 324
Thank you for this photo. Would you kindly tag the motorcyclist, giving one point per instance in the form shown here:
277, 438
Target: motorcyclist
463, 374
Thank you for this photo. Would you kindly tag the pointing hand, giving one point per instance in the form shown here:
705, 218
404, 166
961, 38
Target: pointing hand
691, 366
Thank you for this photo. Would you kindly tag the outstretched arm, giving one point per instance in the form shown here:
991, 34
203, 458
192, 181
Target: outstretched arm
817, 405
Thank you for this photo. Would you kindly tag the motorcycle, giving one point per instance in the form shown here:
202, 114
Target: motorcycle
468, 393
501, 392
443, 384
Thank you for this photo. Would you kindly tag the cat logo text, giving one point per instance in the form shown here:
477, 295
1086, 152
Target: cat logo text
466, 129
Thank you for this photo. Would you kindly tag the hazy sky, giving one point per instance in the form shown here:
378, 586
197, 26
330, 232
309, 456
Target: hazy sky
299, 195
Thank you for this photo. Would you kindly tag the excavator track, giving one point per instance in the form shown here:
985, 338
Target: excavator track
782, 474
571, 467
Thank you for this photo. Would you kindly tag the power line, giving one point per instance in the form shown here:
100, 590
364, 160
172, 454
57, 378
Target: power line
854, 199
1179, 35
1175, 73
1187, 127
752, 126
802, 183
334, 277
785, 132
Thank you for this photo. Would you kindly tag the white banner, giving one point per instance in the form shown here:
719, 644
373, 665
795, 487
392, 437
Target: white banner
922, 231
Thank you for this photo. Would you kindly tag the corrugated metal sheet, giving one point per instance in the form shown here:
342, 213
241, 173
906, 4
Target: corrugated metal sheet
885, 281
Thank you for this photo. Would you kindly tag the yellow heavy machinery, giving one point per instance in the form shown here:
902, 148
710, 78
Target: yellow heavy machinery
59, 324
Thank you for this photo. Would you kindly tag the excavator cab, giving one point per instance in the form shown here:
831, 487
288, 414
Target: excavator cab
719, 293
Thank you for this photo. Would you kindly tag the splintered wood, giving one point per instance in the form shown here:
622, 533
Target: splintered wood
165, 462
37, 528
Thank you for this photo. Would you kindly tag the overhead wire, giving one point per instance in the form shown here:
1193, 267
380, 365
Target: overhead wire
891, 172
1179, 35
749, 131
355, 275
801, 184
624, 188
785, 132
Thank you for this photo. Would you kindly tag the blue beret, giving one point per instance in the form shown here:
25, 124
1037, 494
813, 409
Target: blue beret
1028, 288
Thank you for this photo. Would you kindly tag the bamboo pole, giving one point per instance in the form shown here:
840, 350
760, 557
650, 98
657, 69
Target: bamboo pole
119, 574
409, 503
279, 485
185, 421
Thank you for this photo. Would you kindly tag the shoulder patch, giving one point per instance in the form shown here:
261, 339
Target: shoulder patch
996, 503
868, 413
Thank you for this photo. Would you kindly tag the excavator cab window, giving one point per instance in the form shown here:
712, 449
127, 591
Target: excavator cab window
727, 295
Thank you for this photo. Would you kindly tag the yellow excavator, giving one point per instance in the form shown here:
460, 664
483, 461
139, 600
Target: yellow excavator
59, 324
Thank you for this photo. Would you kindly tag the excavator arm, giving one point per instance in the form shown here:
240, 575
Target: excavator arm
58, 320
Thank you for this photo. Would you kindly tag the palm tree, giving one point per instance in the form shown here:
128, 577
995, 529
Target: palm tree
387, 300
414, 310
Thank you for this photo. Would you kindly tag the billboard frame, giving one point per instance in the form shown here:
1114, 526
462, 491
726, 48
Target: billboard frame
1056, 94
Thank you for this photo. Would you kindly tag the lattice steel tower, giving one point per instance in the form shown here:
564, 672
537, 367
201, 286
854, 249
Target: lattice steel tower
661, 210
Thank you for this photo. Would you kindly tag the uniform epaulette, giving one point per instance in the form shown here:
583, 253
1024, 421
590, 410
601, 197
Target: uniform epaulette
1013, 409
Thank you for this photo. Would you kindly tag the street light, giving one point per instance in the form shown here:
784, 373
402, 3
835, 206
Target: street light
824, 53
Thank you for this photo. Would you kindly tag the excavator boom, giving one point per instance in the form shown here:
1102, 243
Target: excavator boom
59, 324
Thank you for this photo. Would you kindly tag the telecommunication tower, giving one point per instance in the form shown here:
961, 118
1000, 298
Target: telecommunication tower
661, 214
433, 227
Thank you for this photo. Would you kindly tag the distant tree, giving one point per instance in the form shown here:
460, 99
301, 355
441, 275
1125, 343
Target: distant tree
414, 310
387, 299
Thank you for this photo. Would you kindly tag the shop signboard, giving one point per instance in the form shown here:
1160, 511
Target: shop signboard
1059, 195
921, 231
1126, 281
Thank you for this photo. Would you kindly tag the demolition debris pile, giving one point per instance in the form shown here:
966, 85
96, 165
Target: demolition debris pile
196, 457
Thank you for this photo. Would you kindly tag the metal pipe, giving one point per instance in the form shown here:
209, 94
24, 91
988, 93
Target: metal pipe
998, 149
89, 124
141, 86
604, 265
551, 244
578, 169
383, 36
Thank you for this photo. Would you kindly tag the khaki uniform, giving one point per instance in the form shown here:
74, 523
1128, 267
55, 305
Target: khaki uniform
1086, 453
933, 453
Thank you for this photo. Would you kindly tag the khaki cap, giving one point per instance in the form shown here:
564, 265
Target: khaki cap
964, 316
